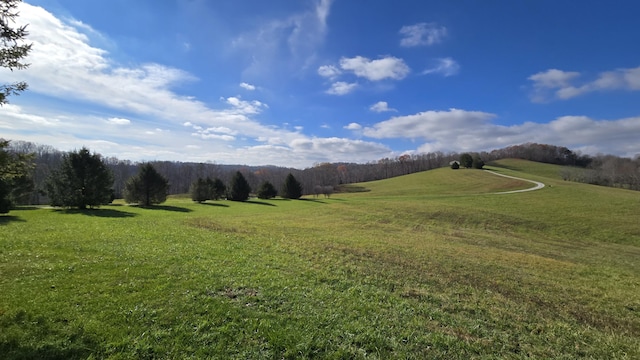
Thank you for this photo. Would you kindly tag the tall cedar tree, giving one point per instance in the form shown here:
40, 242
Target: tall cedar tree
82, 180
12, 47
240, 188
291, 189
147, 188
267, 191
15, 176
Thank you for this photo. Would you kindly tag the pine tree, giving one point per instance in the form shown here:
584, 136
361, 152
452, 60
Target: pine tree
15, 176
12, 48
291, 189
218, 188
240, 188
147, 188
267, 191
201, 190
82, 180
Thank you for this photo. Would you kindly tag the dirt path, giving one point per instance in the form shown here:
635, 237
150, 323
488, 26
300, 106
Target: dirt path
538, 184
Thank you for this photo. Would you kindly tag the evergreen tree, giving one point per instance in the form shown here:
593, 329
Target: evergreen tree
477, 162
218, 188
267, 191
291, 189
201, 190
466, 160
15, 176
12, 48
240, 188
82, 180
146, 188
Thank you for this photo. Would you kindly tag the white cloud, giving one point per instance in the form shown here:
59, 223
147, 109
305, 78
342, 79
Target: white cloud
353, 126
381, 106
427, 124
422, 34
118, 121
388, 67
341, 88
247, 86
462, 130
562, 85
445, 67
246, 107
329, 71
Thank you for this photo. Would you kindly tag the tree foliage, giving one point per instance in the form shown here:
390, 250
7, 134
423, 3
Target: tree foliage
291, 189
240, 188
146, 188
477, 163
16, 181
466, 160
12, 47
207, 189
200, 191
82, 180
267, 191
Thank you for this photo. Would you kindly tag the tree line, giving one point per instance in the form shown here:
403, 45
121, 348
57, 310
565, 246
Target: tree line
26, 170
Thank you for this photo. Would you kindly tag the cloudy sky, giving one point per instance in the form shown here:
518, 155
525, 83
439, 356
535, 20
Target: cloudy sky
295, 83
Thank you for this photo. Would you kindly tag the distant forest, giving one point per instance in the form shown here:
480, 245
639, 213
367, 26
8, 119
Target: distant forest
605, 170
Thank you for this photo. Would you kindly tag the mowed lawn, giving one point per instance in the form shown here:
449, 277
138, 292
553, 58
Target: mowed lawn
430, 265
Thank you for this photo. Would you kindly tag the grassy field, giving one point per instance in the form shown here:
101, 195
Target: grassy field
430, 265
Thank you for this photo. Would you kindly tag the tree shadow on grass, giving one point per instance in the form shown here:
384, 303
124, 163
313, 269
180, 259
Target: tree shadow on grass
214, 204
259, 202
107, 213
5, 219
165, 208
313, 200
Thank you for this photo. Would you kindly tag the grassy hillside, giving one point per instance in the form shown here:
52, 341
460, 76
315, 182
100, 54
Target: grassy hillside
423, 266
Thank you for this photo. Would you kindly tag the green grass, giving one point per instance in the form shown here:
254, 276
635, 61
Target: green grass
428, 265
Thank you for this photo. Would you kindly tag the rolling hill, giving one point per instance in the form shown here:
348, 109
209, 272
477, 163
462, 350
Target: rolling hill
429, 265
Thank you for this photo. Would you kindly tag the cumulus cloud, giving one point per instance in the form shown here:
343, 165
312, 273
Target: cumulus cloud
462, 130
353, 126
329, 71
422, 34
427, 124
341, 88
388, 67
444, 66
247, 86
562, 85
381, 106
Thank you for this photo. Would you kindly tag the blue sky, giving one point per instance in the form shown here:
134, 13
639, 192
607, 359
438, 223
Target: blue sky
295, 83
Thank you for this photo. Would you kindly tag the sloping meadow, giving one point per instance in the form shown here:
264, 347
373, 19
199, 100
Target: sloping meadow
423, 266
